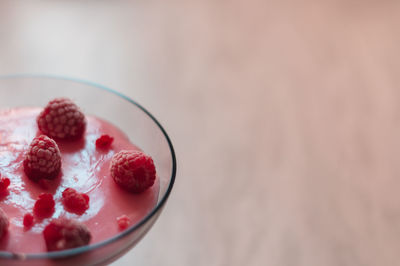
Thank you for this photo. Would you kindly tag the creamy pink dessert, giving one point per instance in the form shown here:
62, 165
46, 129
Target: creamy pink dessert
85, 168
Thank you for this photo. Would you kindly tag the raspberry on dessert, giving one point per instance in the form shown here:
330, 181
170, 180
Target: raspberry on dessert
63, 233
62, 119
123, 222
4, 183
134, 171
4, 223
104, 142
28, 220
44, 206
43, 159
74, 201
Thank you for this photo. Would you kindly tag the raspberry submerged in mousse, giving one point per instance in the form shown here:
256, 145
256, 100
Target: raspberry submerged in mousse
63, 233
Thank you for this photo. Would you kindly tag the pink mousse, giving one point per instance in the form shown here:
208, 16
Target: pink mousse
84, 168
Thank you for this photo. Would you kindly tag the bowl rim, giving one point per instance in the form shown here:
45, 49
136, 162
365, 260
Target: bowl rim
148, 217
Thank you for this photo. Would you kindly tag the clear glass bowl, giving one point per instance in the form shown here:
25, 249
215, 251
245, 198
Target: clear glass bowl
36, 91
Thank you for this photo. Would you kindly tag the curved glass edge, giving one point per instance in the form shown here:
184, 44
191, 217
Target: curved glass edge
159, 206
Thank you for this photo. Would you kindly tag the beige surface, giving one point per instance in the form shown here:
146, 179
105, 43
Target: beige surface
284, 116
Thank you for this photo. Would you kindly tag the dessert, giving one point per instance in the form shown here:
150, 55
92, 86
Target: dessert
73, 187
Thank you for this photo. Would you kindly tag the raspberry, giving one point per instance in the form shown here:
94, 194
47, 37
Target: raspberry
44, 206
104, 142
123, 222
3, 223
43, 159
75, 202
28, 220
4, 183
134, 171
62, 119
63, 233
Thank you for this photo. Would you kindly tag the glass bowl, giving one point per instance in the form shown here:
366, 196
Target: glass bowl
126, 114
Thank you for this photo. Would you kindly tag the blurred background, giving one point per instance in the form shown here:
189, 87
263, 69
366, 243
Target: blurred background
284, 115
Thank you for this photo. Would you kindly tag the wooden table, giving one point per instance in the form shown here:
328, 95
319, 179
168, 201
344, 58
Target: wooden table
285, 117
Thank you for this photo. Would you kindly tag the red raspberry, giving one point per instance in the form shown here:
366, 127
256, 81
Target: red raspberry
44, 206
4, 183
28, 220
3, 223
62, 119
75, 202
104, 142
133, 170
43, 159
63, 233
123, 222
